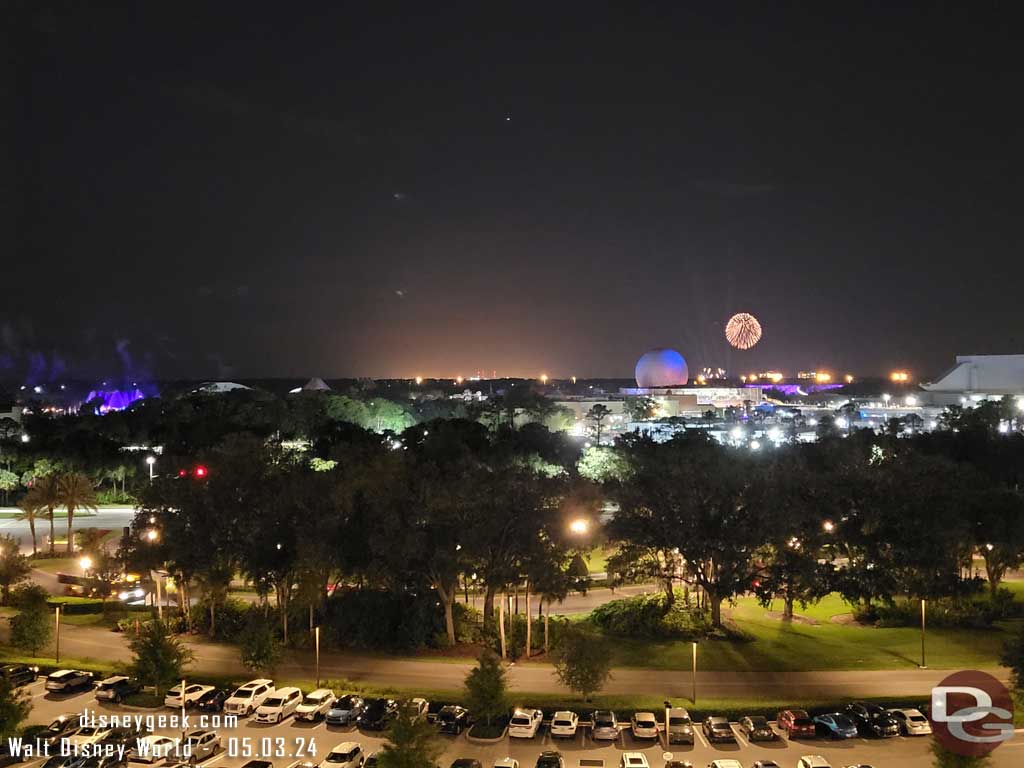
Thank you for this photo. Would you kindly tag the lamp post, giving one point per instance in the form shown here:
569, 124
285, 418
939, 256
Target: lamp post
151, 460
924, 665
694, 697
316, 636
56, 654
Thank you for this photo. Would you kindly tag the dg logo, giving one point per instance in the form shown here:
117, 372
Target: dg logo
971, 713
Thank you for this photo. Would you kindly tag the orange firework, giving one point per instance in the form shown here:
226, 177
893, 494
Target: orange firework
743, 331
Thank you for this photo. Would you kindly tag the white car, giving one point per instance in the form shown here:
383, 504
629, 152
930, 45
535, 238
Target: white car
416, 709
524, 723
315, 705
633, 760
506, 762
912, 722
192, 694
248, 698
67, 680
200, 745
564, 724
726, 763
348, 754
644, 725
88, 734
152, 748
606, 725
813, 761
278, 705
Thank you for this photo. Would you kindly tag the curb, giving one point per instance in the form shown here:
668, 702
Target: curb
478, 740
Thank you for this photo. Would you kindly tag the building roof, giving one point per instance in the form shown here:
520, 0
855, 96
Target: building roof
986, 374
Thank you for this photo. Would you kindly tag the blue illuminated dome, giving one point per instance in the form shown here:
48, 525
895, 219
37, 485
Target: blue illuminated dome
661, 368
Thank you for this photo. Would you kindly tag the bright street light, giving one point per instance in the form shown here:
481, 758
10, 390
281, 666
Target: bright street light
152, 534
829, 526
579, 526
85, 563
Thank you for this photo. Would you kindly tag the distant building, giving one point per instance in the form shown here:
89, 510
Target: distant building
977, 377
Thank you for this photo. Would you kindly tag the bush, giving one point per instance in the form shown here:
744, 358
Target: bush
231, 618
645, 616
78, 606
964, 613
392, 621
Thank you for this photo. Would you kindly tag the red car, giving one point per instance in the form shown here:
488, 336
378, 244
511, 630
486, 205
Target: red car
796, 723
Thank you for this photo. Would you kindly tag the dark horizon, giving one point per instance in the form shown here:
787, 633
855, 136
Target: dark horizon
228, 192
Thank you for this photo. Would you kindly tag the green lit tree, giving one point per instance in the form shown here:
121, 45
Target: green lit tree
411, 744
486, 687
158, 657
14, 566
260, 649
14, 708
32, 627
583, 661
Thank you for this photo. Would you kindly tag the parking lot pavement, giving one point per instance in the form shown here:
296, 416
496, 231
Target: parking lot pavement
250, 740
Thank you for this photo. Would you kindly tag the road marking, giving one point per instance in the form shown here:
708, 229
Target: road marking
740, 738
699, 733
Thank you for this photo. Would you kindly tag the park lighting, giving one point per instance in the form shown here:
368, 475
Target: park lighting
842, 423
151, 460
24, 437
736, 433
828, 526
579, 526
899, 376
848, 378
812, 422
755, 445
822, 377
85, 563
1004, 427
886, 398
543, 378
775, 434
989, 547
910, 400
419, 380
459, 379
152, 535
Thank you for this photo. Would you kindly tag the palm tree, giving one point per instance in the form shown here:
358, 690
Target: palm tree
47, 490
30, 506
75, 491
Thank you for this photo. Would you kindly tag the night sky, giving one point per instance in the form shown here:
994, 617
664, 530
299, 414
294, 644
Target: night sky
229, 189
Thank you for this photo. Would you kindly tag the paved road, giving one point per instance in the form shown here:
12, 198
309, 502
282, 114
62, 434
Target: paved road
901, 752
441, 675
112, 518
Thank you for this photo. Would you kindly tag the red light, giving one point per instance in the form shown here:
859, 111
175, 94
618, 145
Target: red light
182, 473
200, 471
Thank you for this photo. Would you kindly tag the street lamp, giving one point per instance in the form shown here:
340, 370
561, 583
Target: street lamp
923, 664
828, 526
85, 563
694, 697
56, 654
152, 535
151, 460
316, 635
579, 526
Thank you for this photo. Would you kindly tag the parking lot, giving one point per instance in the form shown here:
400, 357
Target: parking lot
579, 752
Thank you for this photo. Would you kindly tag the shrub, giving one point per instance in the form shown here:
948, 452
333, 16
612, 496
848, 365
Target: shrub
383, 620
976, 613
231, 618
645, 616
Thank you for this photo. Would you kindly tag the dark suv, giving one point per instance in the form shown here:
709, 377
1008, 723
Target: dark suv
872, 720
378, 714
19, 674
453, 719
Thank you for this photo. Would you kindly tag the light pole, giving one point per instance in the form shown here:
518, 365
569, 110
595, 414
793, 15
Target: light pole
151, 460
316, 635
694, 697
923, 664
56, 654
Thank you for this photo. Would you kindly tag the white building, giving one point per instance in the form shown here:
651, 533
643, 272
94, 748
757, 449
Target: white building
977, 377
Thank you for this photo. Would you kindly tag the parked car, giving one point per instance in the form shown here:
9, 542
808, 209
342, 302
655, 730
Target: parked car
68, 680
345, 710
371, 759
606, 726
550, 759
54, 761
765, 764
506, 762
796, 724
756, 728
416, 709
453, 719
717, 729
465, 762
633, 760
89, 734
60, 727
837, 725
278, 705
193, 693
19, 674
246, 699
726, 763
258, 764
680, 727
524, 723
644, 725
315, 705
377, 714
912, 722
153, 749
126, 734
348, 754
872, 720
813, 761
213, 700
676, 763
564, 724
200, 745
117, 688
112, 760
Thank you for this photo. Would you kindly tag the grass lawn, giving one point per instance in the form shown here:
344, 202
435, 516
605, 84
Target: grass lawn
57, 564
826, 646
597, 558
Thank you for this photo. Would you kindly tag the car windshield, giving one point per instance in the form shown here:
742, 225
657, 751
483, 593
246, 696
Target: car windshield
242, 693
843, 721
345, 702
603, 722
918, 719
273, 701
57, 726
679, 721
645, 724
547, 761
313, 700
338, 757
758, 722
802, 721
446, 715
88, 730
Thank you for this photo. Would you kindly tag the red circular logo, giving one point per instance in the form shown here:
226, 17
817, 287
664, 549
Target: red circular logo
971, 713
